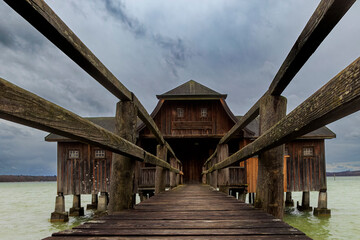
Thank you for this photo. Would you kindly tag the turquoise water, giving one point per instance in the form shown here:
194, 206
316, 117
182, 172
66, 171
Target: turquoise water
26, 207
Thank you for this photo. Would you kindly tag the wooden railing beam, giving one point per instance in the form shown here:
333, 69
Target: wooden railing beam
44, 19
336, 99
20, 106
324, 19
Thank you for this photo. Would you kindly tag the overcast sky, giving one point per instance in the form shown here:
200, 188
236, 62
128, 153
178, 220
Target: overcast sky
234, 47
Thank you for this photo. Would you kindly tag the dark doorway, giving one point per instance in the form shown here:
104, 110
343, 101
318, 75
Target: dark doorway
192, 153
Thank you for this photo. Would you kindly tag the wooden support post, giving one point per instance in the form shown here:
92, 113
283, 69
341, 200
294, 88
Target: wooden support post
59, 215
172, 174
322, 209
289, 202
214, 175
76, 209
103, 202
160, 174
223, 174
94, 202
270, 183
178, 176
182, 176
305, 202
123, 168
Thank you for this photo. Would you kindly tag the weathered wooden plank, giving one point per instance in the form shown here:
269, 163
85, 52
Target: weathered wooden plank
244, 121
239, 237
44, 19
21, 106
240, 223
324, 19
338, 98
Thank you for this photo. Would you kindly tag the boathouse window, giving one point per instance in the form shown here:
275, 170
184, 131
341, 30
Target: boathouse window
308, 151
203, 112
74, 154
180, 112
99, 153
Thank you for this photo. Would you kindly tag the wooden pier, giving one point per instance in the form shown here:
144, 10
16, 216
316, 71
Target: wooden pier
187, 212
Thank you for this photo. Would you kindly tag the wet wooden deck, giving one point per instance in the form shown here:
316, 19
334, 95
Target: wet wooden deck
187, 212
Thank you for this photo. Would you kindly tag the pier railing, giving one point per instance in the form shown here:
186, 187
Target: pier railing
21, 106
336, 99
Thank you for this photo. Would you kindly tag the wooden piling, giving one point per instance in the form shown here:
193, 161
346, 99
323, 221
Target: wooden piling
160, 174
270, 185
123, 168
223, 174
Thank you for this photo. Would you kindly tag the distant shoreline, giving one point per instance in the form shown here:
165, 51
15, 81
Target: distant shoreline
22, 178
343, 174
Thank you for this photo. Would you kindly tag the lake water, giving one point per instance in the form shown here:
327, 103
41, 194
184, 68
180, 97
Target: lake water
26, 207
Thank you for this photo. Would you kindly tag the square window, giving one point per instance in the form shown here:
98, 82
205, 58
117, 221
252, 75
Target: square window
180, 112
99, 153
203, 112
308, 151
74, 154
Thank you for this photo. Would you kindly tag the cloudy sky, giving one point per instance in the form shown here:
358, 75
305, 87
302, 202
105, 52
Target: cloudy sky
233, 47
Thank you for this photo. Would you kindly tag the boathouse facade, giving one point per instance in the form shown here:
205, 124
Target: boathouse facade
192, 118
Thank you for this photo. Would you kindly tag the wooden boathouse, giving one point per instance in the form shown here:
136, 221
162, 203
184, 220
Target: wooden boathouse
192, 118
229, 146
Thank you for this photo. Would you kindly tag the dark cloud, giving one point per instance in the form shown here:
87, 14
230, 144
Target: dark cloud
118, 10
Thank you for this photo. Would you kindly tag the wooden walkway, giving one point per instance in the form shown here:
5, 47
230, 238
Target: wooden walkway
187, 212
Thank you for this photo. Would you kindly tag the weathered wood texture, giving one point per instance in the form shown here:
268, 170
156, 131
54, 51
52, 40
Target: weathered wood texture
326, 16
44, 19
21, 106
223, 174
215, 124
187, 212
160, 173
270, 182
323, 20
84, 175
237, 176
338, 98
122, 194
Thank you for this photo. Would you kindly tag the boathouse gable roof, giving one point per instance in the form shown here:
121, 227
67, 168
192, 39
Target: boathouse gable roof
321, 133
192, 90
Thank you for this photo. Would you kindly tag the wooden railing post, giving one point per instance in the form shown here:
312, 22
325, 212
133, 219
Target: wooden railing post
270, 183
173, 163
122, 170
223, 174
160, 174
214, 174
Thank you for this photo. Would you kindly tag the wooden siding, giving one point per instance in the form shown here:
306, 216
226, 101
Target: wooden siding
85, 175
301, 173
217, 122
147, 178
237, 176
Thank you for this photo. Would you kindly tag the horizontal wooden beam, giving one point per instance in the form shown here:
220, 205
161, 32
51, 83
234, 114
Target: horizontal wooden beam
244, 121
326, 16
45, 20
20, 106
338, 98
211, 157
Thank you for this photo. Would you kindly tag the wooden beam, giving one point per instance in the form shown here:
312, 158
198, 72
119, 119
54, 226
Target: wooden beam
20, 106
211, 157
324, 19
244, 121
336, 99
45, 20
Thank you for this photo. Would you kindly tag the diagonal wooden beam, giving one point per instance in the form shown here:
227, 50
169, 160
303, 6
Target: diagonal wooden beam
326, 16
45, 20
324, 19
338, 98
20, 106
244, 121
